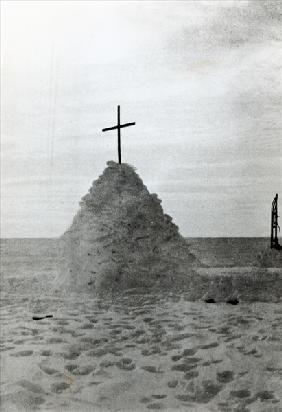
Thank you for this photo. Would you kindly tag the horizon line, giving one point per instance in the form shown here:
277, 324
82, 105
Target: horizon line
186, 237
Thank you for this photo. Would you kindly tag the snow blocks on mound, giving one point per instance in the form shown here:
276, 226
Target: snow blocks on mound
121, 238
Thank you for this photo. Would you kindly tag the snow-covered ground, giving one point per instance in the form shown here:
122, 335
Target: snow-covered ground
138, 352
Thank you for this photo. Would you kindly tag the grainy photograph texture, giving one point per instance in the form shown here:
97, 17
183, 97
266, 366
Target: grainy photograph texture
141, 184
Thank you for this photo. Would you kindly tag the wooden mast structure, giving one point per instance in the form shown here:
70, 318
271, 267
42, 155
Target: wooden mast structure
274, 244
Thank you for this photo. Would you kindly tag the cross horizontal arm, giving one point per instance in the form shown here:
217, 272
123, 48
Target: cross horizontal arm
110, 128
118, 126
127, 124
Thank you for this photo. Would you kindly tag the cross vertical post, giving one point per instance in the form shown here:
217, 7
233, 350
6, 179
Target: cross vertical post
118, 127
118, 124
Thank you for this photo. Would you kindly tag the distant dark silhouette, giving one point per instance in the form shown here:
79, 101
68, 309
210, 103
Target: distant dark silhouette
210, 300
274, 244
118, 127
232, 301
40, 317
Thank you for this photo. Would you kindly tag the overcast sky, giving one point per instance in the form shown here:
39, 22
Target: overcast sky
201, 79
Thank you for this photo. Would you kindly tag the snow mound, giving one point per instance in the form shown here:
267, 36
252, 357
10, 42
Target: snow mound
121, 238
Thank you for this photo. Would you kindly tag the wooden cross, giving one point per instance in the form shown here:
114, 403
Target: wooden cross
118, 127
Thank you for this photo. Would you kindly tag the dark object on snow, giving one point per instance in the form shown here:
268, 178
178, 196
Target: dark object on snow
274, 244
41, 317
233, 301
210, 300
